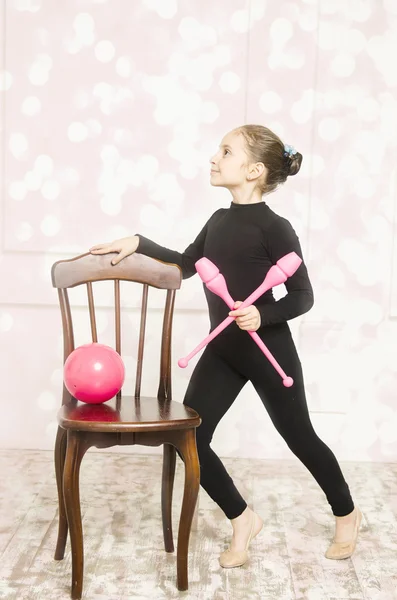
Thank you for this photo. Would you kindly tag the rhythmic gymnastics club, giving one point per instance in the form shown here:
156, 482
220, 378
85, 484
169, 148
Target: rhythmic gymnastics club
278, 273
215, 282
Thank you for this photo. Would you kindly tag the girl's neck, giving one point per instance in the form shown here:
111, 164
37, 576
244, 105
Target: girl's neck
246, 196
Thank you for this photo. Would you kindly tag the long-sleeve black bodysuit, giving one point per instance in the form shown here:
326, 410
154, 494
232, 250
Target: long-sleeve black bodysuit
244, 241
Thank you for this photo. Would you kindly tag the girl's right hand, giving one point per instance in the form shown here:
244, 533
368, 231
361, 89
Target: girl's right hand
124, 247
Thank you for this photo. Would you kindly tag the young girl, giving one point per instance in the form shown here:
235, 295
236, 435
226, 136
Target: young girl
244, 241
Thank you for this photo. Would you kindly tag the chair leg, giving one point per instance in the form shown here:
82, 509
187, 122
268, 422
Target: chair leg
59, 457
167, 486
75, 450
187, 447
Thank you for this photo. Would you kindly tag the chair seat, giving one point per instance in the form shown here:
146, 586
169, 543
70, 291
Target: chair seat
129, 414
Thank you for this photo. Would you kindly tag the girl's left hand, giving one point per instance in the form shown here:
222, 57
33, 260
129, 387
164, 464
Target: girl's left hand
248, 319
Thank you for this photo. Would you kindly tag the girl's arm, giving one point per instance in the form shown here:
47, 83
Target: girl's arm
185, 260
282, 239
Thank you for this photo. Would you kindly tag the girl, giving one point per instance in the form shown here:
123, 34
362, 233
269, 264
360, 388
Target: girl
244, 241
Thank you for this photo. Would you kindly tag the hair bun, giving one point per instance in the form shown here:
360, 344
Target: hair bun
294, 163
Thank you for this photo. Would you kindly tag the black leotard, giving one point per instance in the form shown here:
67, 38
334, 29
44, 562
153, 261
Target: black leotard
244, 241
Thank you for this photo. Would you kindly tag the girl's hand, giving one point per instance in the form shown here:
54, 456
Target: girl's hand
248, 319
124, 247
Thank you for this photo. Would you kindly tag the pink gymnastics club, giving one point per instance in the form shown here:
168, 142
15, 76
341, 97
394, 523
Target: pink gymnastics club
216, 283
278, 273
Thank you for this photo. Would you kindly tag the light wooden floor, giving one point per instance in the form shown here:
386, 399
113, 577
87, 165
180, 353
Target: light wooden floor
124, 557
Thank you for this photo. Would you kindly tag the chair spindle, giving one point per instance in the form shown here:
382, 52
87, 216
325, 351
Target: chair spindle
118, 314
142, 329
91, 308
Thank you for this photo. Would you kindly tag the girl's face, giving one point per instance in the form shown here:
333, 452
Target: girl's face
230, 165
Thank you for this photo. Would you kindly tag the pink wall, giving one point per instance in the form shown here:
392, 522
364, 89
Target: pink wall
110, 113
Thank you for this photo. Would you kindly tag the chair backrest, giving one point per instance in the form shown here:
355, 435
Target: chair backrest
87, 269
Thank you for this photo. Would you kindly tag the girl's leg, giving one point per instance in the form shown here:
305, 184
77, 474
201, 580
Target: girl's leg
288, 410
212, 389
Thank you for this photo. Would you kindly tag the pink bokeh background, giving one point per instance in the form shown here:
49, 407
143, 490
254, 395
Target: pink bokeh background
110, 112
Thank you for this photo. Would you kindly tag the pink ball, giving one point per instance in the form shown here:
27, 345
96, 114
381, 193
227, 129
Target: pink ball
94, 373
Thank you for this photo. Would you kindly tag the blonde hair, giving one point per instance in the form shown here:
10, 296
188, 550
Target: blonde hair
266, 147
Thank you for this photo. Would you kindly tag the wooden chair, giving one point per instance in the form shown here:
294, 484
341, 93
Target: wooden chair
123, 420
